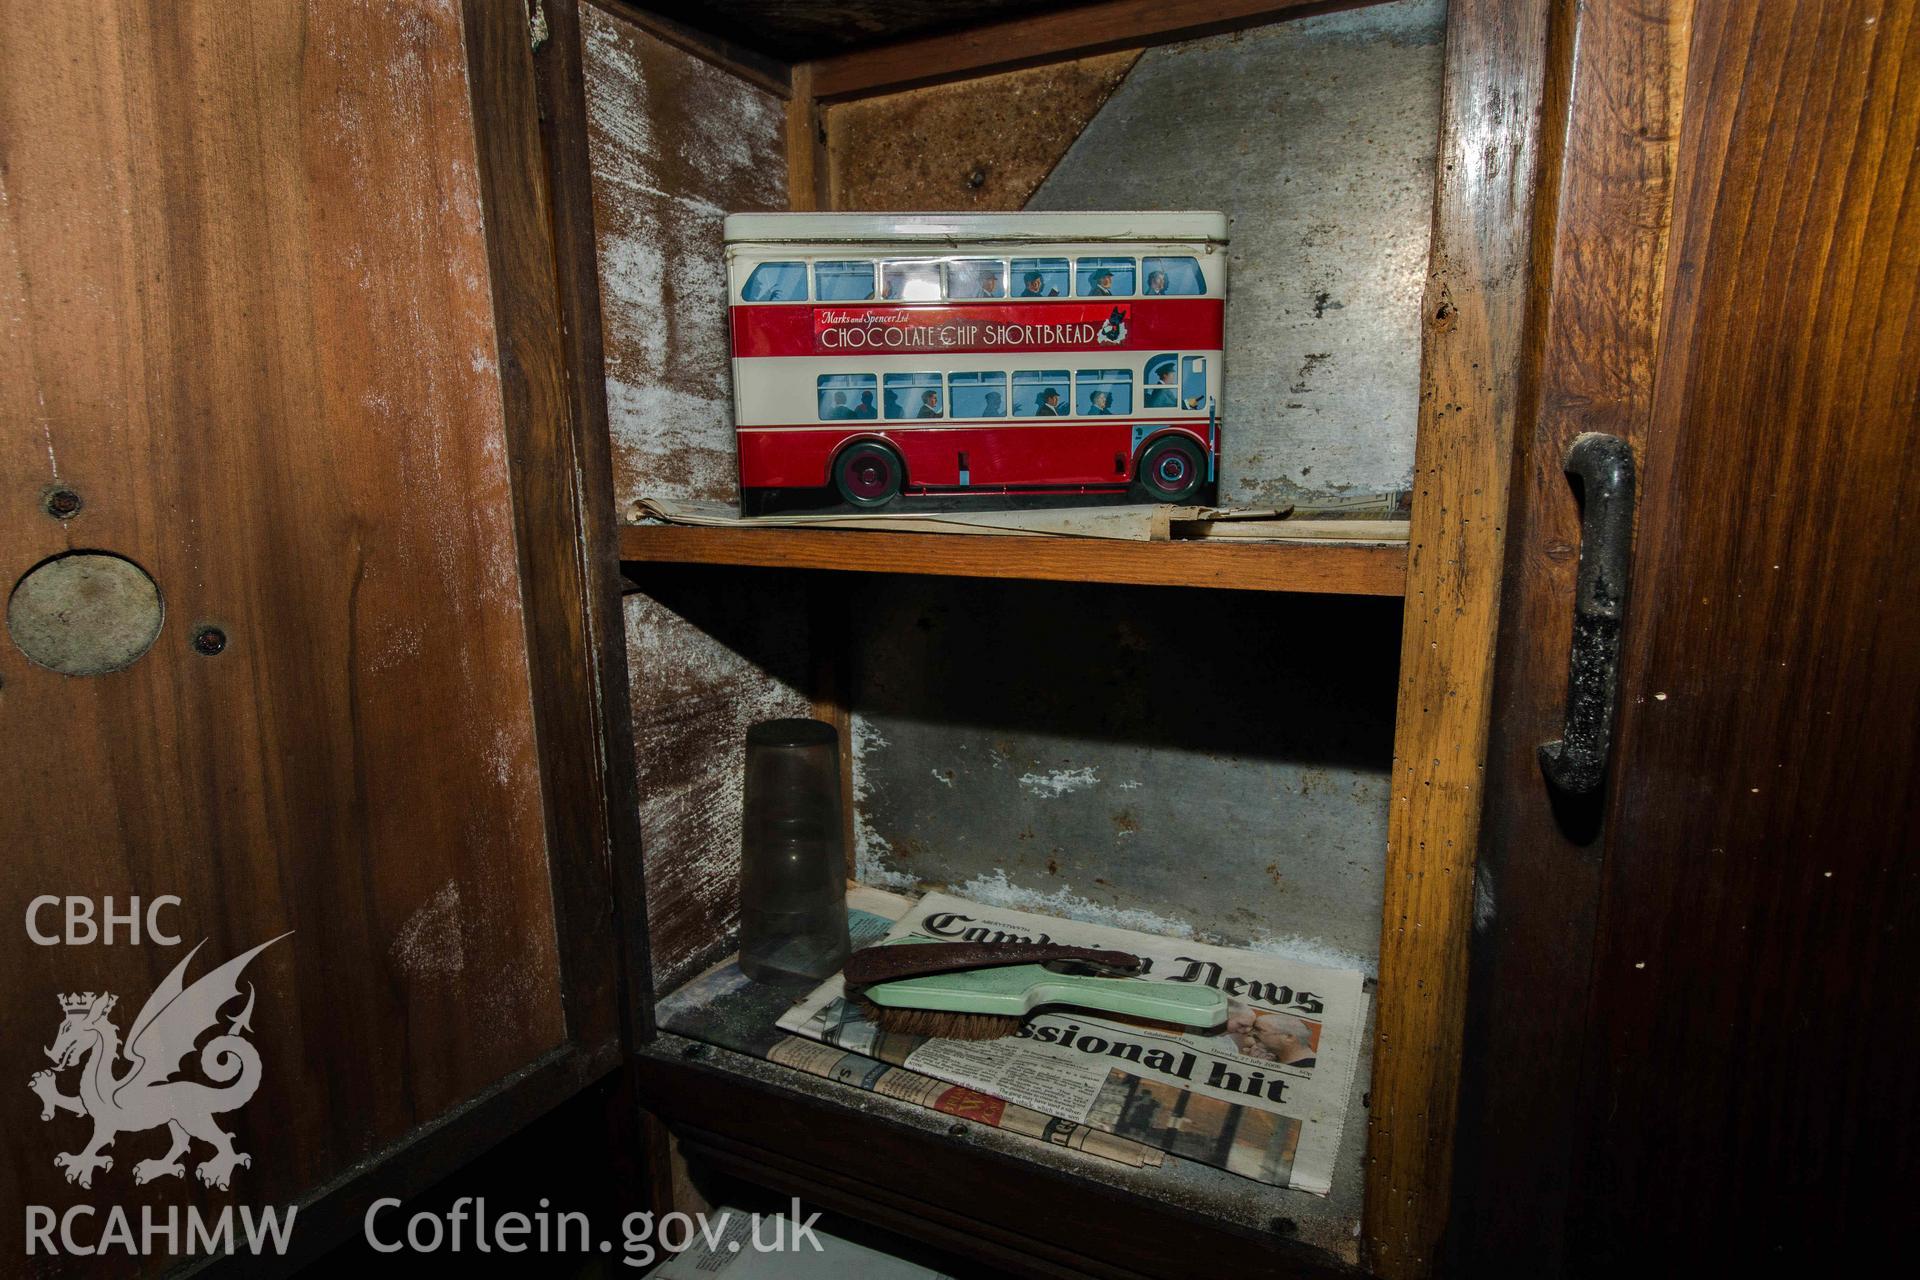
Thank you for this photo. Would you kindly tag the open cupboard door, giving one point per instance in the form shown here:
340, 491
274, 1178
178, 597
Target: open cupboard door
1667, 966
303, 669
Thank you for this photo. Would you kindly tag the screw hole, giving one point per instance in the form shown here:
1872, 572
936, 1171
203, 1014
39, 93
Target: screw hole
63, 504
209, 641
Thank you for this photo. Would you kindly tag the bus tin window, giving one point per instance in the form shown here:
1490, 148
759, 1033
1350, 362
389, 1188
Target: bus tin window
976, 278
1193, 383
776, 282
1098, 393
1173, 277
846, 396
843, 281
910, 281
977, 395
1162, 371
1040, 277
913, 395
1103, 277
1041, 393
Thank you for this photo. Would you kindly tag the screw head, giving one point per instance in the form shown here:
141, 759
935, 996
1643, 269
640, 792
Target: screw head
63, 504
209, 641
956, 1130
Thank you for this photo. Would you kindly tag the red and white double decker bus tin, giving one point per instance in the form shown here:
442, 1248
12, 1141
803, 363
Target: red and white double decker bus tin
881, 355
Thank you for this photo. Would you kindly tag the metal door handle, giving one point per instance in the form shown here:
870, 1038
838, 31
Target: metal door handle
1603, 464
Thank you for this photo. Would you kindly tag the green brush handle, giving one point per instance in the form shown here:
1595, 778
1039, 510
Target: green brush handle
1016, 990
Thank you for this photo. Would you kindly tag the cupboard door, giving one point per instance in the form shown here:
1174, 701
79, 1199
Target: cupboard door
1693, 1007
289, 652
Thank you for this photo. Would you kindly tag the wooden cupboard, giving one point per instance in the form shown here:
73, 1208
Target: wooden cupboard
337, 323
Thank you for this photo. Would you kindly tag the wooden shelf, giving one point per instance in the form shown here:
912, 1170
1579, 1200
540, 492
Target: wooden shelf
1335, 568
1011, 1202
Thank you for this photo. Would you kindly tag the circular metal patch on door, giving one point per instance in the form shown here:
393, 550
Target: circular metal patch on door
85, 613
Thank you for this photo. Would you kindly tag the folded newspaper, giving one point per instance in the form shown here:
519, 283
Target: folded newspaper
1264, 1095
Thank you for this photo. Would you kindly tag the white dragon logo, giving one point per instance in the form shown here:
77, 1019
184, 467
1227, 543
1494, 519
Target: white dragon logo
146, 1096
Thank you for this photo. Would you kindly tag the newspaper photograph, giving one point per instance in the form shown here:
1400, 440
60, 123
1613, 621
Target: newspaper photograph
1263, 1095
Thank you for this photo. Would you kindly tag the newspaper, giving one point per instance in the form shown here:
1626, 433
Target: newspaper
1264, 1095
832, 1063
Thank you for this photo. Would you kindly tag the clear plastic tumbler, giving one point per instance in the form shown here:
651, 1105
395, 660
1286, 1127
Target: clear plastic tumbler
793, 888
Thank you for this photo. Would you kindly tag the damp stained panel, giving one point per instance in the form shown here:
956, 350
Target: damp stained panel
1186, 762
1317, 138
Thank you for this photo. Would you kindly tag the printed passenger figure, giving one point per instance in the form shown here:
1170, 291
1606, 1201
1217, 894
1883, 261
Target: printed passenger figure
995, 407
1037, 286
929, 405
1049, 403
893, 405
989, 283
1161, 393
1100, 402
1102, 284
1156, 283
840, 409
865, 408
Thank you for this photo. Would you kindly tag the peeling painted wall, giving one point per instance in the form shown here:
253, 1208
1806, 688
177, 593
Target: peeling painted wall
676, 144
1194, 763
1317, 137
710, 651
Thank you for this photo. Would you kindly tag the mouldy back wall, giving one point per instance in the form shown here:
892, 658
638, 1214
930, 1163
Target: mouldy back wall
675, 145
1186, 762
1317, 138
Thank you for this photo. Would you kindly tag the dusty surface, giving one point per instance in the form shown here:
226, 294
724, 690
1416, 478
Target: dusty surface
982, 144
710, 651
676, 144
1192, 763
1317, 138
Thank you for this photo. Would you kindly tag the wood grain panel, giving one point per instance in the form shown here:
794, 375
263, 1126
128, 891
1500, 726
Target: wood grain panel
1048, 37
245, 288
1338, 568
1538, 877
1474, 392
1753, 997
554, 399
582, 523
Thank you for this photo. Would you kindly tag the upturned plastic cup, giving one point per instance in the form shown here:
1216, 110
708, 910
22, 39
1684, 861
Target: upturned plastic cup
793, 887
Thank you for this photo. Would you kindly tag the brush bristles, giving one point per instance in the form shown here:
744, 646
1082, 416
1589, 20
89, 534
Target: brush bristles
936, 1023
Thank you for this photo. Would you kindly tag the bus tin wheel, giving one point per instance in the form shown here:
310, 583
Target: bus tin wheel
1171, 469
868, 474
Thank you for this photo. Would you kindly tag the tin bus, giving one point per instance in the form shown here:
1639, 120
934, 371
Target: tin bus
882, 354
